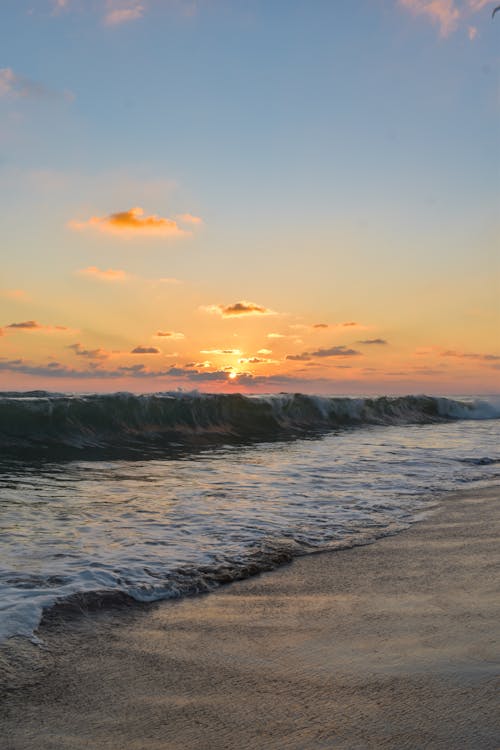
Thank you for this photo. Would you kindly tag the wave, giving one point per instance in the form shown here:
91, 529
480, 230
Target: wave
41, 420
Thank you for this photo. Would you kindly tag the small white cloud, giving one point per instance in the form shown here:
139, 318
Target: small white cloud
123, 13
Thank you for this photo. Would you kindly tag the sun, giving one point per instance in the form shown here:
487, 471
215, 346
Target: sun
233, 375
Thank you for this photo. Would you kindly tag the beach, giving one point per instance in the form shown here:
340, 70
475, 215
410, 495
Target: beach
390, 645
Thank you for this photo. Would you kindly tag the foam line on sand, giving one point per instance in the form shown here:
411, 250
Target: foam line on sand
392, 645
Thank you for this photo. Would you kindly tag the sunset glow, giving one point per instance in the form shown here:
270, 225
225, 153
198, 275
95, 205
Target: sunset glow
273, 199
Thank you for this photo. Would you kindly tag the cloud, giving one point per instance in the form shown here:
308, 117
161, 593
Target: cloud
276, 336
15, 294
255, 361
59, 5
27, 324
472, 355
89, 353
145, 350
33, 325
111, 274
320, 325
265, 351
447, 14
16, 86
173, 335
236, 352
477, 5
130, 223
382, 342
239, 309
443, 13
189, 219
333, 351
119, 13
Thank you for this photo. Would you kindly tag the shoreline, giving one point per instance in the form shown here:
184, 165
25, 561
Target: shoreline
394, 644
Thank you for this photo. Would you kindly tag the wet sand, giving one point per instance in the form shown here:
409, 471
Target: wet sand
392, 645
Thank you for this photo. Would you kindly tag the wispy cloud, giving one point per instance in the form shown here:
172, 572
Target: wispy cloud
172, 335
443, 13
236, 352
256, 361
111, 274
81, 351
131, 222
447, 14
120, 12
34, 325
17, 86
59, 5
471, 355
189, 219
381, 342
241, 308
15, 294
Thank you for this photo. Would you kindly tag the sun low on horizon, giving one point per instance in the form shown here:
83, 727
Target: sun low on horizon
250, 197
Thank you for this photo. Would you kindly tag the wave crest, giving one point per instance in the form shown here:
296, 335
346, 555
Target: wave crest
123, 419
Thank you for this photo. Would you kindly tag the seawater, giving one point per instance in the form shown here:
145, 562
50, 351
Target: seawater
103, 496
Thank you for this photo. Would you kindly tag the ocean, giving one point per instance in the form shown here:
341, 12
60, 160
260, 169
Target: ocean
110, 498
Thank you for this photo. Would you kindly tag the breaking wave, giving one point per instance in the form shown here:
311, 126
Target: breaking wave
122, 420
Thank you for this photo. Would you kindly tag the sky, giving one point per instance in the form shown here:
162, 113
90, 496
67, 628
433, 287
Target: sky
250, 196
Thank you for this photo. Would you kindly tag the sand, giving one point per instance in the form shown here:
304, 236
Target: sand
392, 645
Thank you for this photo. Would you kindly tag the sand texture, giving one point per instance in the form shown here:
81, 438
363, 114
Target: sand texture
392, 645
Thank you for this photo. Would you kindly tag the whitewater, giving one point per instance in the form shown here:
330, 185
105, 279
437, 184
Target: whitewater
121, 497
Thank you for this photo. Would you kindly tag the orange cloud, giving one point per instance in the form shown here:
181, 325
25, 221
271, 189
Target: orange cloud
236, 352
239, 308
123, 13
170, 334
131, 222
444, 13
111, 274
16, 294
